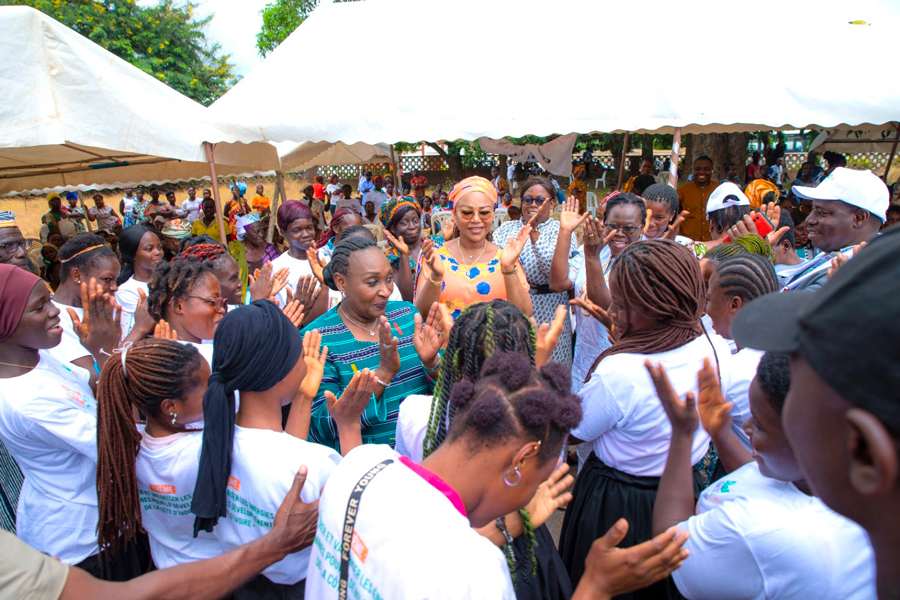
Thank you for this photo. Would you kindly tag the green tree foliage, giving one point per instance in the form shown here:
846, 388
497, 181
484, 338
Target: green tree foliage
281, 18
164, 40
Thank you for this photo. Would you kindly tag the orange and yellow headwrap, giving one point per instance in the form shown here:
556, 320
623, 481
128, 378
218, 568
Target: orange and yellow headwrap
390, 207
578, 169
472, 184
7, 219
757, 189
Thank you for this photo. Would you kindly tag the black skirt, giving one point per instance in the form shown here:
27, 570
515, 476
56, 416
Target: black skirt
551, 580
602, 496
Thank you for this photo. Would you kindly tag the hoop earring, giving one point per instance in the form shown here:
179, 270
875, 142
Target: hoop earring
512, 483
174, 416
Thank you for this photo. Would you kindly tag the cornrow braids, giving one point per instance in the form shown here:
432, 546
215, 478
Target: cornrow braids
474, 338
357, 231
625, 199
193, 241
340, 258
83, 252
746, 244
173, 280
747, 276
661, 280
156, 370
203, 252
664, 193
727, 217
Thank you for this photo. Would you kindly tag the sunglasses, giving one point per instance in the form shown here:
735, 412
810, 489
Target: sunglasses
531, 200
216, 303
628, 230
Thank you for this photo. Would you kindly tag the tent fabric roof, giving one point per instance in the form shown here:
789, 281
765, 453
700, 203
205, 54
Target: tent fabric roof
70, 109
849, 142
315, 154
689, 70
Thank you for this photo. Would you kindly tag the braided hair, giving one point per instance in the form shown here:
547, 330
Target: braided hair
746, 244
625, 199
173, 280
129, 242
201, 248
747, 276
340, 258
83, 252
335, 220
358, 231
661, 280
727, 217
477, 333
663, 193
156, 370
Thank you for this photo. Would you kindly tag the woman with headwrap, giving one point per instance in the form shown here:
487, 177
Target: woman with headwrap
761, 192
247, 461
402, 222
172, 233
48, 418
470, 269
657, 299
250, 249
578, 189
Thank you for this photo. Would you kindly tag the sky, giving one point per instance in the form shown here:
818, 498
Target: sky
234, 26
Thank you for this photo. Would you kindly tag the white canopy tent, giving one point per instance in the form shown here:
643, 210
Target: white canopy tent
558, 89
76, 117
881, 139
316, 154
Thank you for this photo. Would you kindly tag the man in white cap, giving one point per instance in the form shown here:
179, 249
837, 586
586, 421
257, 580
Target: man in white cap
848, 208
726, 206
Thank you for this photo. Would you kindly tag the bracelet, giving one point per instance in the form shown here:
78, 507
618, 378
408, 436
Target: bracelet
437, 283
501, 525
515, 271
380, 382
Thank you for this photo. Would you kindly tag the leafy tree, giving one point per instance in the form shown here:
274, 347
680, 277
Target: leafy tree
280, 19
164, 40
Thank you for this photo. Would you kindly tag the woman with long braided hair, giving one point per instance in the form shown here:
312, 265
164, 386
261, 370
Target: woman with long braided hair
658, 298
145, 478
232, 277
424, 421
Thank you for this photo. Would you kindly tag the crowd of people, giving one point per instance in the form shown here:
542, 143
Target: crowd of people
383, 395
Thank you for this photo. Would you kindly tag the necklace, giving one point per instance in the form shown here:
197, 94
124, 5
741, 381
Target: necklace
357, 323
483, 248
15, 365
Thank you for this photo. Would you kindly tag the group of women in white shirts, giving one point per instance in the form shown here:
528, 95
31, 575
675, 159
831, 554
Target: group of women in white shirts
154, 406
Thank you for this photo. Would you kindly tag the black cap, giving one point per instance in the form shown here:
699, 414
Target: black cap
848, 331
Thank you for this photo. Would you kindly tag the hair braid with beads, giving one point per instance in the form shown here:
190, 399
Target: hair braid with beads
660, 280
477, 333
156, 370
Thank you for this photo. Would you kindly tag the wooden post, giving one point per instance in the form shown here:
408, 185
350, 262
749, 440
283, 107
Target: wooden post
676, 152
215, 190
273, 210
624, 156
87, 222
887, 168
396, 176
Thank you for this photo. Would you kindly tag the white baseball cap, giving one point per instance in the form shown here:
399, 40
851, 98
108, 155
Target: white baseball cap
862, 189
727, 194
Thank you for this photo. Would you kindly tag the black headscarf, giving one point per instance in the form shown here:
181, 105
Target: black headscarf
255, 347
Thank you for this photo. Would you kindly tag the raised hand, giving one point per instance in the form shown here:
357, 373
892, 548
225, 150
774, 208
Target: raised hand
541, 215
164, 331
842, 259
294, 311
353, 401
306, 292
99, 329
399, 245
550, 496
673, 230
143, 322
314, 356
316, 264
294, 527
389, 357
595, 236
682, 414
715, 412
430, 257
509, 256
428, 337
598, 312
569, 219
261, 282
547, 336
448, 229
611, 571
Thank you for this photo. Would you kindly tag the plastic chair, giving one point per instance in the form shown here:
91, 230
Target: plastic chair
593, 205
499, 217
571, 178
601, 180
437, 220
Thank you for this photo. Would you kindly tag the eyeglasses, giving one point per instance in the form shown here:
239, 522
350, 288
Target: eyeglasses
628, 230
14, 247
530, 200
468, 215
217, 303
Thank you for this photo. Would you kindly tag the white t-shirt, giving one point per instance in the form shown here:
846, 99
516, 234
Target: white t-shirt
298, 268
376, 197
166, 474
331, 188
263, 467
105, 219
70, 347
127, 297
391, 555
192, 208
412, 422
623, 416
743, 370
591, 338
756, 537
128, 202
48, 421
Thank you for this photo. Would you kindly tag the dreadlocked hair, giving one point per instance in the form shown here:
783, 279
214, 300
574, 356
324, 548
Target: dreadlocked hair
84, 252
746, 244
340, 258
156, 370
747, 276
202, 252
660, 280
335, 220
173, 280
479, 331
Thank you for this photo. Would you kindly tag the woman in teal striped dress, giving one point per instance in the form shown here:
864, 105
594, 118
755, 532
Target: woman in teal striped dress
366, 331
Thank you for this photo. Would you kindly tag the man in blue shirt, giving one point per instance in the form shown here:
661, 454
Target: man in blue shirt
587, 158
366, 186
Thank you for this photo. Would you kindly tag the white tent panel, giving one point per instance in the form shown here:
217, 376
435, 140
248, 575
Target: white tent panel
315, 154
850, 142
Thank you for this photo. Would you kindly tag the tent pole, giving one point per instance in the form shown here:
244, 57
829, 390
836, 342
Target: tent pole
215, 190
279, 192
90, 229
673, 162
624, 154
396, 174
887, 168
